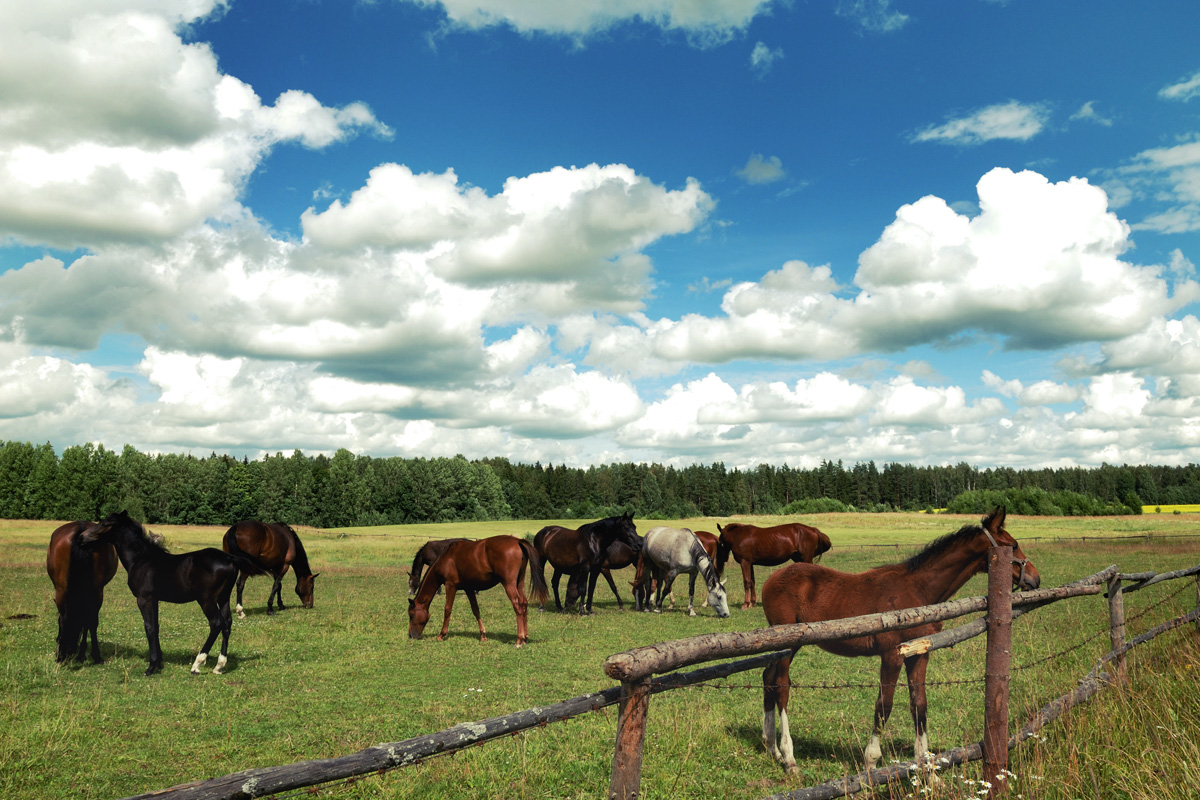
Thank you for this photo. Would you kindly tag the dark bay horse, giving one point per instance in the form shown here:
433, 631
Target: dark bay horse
768, 547
474, 566
429, 552
668, 553
275, 548
581, 553
812, 593
79, 574
618, 556
204, 576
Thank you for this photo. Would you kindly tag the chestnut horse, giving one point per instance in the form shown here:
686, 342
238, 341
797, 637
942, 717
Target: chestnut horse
474, 566
274, 547
581, 553
204, 576
430, 552
768, 547
79, 574
811, 593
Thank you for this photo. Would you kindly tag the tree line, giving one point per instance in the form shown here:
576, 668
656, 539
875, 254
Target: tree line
90, 481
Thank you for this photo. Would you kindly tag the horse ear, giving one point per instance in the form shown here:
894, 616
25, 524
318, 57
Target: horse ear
994, 522
316, 574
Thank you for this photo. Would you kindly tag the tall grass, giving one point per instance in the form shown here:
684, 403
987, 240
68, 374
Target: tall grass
343, 676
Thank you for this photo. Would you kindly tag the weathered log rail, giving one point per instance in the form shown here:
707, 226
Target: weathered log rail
641, 672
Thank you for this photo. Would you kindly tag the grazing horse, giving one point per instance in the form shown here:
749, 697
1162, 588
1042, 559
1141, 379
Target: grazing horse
474, 566
274, 547
669, 552
768, 547
79, 574
580, 553
811, 593
641, 597
204, 576
430, 552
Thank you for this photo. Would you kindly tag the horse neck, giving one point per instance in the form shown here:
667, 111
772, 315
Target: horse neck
429, 585
131, 548
300, 562
944, 574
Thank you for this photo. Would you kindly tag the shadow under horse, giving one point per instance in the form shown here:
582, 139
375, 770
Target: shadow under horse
205, 577
813, 593
79, 573
580, 553
275, 548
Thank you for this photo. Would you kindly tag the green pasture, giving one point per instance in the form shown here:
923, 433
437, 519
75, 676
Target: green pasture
344, 676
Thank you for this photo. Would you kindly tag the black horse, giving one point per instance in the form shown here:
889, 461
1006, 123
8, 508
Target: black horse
204, 576
580, 553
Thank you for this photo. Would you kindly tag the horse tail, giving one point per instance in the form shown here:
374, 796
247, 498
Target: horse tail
79, 603
241, 559
537, 578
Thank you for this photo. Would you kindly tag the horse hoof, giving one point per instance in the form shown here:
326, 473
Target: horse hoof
791, 769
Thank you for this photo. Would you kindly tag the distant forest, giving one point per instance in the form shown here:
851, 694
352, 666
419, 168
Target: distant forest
89, 482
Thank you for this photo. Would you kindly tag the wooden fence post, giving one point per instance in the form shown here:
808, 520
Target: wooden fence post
999, 658
626, 779
1116, 629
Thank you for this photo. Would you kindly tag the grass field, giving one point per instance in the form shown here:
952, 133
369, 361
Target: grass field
343, 676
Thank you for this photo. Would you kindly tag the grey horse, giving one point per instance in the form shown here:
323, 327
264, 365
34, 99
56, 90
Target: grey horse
668, 552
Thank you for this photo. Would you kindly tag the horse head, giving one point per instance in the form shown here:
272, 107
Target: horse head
304, 589
103, 530
1025, 574
418, 617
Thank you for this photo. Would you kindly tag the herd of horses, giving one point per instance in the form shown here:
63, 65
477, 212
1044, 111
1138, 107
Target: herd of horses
82, 559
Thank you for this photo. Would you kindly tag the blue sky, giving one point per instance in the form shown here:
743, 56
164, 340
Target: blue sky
649, 230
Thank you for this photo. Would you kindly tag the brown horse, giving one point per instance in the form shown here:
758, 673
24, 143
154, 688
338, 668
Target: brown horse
275, 547
768, 547
581, 553
79, 574
474, 566
618, 556
811, 593
430, 552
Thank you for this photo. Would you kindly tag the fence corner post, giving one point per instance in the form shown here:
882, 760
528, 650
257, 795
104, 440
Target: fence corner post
999, 659
626, 779
1116, 629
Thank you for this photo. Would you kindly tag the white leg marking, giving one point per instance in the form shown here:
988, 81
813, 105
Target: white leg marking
768, 737
873, 752
785, 743
241, 614
921, 748
691, 611
221, 662
198, 663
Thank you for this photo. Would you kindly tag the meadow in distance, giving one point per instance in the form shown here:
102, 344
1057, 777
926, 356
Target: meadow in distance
344, 676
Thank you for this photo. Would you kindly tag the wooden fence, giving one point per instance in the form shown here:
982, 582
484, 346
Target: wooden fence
646, 671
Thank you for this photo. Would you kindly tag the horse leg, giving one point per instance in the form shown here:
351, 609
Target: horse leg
776, 692
213, 612
226, 627
914, 667
664, 587
612, 585
691, 594
554, 583
149, 608
889, 673
475, 610
279, 585
276, 592
747, 584
520, 604
593, 577
241, 584
93, 625
451, 588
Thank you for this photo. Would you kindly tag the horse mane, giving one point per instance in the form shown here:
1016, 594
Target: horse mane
300, 562
941, 545
700, 556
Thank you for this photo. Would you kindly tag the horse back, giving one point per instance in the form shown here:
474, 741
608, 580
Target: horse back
271, 544
773, 545
186, 577
93, 566
562, 547
805, 592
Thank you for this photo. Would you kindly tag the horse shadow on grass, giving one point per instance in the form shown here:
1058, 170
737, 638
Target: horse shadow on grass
803, 746
171, 658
